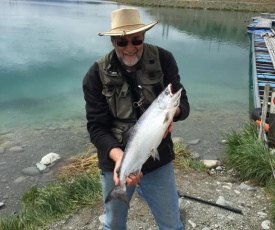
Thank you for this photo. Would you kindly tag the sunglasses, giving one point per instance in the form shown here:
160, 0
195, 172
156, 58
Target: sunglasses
135, 42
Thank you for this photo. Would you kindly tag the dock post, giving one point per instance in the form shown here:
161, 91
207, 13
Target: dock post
261, 136
271, 131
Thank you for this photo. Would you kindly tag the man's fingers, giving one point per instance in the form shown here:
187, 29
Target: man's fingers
132, 179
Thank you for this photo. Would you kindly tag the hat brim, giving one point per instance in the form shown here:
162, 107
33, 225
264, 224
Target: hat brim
129, 30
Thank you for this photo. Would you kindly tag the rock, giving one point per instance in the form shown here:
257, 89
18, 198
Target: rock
194, 142
211, 163
102, 218
221, 201
16, 149
192, 223
227, 187
40, 166
49, 158
2, 204
266, 224
262, 215
246, 187
20, 179
219, 168
31, 171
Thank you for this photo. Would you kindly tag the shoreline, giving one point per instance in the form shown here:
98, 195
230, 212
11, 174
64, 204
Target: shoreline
262, 6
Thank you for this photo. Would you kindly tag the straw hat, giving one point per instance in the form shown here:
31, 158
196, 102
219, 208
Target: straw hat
127, 21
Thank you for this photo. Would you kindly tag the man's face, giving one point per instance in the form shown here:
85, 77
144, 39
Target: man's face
129, 48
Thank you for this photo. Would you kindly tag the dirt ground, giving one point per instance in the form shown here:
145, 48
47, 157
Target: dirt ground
72, 138
195, 215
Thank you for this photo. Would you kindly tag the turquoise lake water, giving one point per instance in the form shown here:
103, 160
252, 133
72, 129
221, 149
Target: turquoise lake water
46, 47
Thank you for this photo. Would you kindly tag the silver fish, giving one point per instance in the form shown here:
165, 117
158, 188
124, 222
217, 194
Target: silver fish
145, 138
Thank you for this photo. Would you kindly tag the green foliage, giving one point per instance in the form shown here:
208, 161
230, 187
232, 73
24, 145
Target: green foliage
248, 156
183, 159
54, 200
251, 159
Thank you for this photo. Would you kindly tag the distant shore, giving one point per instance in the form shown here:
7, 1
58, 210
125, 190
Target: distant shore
263, 6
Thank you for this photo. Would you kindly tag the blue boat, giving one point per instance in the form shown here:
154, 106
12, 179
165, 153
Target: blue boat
262, 61
265, 21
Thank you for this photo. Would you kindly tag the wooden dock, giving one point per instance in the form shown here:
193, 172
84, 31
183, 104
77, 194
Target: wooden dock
264, 23
270, 44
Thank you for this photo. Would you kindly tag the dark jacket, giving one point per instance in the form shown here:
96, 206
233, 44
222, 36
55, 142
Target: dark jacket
100, 118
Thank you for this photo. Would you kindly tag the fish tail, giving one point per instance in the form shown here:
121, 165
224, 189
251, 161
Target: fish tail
119, 194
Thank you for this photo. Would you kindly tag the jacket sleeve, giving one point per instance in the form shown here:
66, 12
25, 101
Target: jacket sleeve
171, 75
98, 115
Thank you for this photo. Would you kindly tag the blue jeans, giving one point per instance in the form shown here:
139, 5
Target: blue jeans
158, 189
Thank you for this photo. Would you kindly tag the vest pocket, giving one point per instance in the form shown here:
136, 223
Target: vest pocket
121, 131
119, 101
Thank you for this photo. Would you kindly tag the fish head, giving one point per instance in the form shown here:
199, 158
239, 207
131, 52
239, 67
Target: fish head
167, 99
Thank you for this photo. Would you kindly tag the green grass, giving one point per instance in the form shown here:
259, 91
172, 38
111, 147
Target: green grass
248, 156
183, 159
251, 160
43, 205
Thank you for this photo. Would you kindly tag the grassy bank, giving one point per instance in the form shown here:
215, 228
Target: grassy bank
252, 160
228, 5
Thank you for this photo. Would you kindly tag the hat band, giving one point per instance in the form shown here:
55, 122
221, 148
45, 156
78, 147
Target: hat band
126, 28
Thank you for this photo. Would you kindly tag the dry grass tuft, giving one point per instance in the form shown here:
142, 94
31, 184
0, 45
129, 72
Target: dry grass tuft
84, 163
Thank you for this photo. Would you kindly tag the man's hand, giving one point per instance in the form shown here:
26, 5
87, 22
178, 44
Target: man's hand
168, 130
116, 154
171, 126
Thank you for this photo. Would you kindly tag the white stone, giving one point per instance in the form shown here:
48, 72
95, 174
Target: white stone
49, 158
227, 187
221, 201
102, 218
262, 214
210, 163
40, 166
265, 224
2, 204
192, 223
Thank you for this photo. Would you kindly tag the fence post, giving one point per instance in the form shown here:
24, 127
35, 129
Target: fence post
264, 111
271, 131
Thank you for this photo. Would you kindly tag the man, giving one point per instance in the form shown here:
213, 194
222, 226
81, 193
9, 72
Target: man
117, 89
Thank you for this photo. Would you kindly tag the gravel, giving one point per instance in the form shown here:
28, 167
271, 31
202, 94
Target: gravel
253, 203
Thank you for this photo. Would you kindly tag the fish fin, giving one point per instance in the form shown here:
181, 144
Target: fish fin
154, 153
119, 194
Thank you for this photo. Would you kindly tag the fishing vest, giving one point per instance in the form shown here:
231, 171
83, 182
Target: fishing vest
117, 90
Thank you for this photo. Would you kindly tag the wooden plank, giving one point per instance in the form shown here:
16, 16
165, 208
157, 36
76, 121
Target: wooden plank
270, 43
